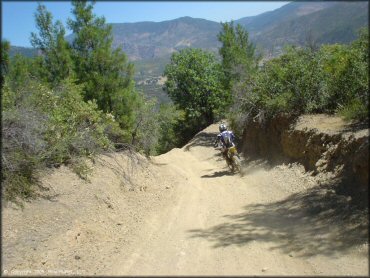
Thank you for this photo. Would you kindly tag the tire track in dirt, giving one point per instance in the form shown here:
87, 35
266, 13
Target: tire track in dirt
188, 216
206, 231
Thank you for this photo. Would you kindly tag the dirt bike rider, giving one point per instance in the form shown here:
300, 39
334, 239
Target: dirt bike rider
226, 138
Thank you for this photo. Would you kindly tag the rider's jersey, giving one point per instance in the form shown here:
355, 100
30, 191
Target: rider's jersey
226, 138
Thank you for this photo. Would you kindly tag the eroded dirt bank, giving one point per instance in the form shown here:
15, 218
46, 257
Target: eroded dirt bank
186, 215
325, 145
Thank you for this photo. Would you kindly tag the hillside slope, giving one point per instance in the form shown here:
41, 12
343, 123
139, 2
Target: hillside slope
185, 214
269, 20
148, 40
332, 22
325, 22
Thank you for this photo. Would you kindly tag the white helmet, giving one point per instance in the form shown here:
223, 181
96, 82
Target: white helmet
222, 127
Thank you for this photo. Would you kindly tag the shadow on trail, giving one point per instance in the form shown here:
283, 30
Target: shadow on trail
356, 126
306, 224
219, 174
204, 139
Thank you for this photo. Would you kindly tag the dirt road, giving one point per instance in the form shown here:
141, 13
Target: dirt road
258, 224
207, 221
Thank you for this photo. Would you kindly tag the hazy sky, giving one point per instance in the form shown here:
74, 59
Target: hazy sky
18, 17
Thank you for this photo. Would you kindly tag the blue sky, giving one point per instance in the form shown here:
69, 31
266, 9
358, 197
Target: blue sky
18, 16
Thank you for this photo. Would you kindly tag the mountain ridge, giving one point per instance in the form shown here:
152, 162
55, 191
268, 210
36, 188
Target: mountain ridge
270, 30
149, 44
145, 40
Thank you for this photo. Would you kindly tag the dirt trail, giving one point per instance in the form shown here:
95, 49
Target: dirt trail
223, 224
271, 221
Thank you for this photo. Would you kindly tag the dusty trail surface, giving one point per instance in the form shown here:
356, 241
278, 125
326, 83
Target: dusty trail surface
196, 218
223, 224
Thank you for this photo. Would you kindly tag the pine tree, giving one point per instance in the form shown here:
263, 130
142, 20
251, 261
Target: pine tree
5, 47
238, 54
55, 63
106, 73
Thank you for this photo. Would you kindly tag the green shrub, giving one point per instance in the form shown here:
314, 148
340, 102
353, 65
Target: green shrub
354, 110
44, 128
194, 84
332, 79
22, 150
76, 128
169, 119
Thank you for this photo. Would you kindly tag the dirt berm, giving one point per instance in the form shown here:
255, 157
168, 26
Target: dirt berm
184, 213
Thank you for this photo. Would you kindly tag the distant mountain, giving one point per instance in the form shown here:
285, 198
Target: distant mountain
150, 44
268, 20
147, 40
325, 22
294, 23
297, 22
25, 51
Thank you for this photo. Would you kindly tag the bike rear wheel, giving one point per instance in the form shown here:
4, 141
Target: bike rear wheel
236, 164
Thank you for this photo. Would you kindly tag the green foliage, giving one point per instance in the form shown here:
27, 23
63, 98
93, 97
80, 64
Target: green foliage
354, 110
346, 73
43, 127
20, 70
238, 54
55, 62
146, 126
194, 84
106, 74
76, 128
291, 83
153, 126
170, 120
71, 103
5, 47
334, 78
22, 142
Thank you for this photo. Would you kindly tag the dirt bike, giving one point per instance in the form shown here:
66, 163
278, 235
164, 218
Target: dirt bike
233, 160
232, 157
